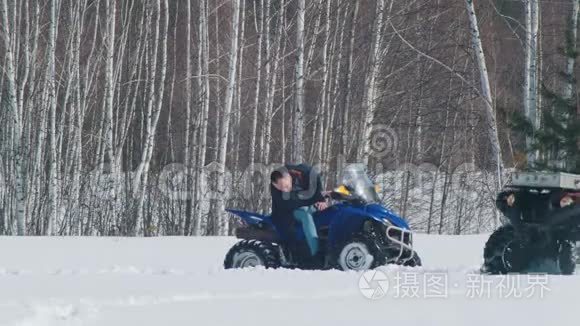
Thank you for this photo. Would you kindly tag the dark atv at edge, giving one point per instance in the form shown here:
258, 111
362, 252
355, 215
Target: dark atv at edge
540, 236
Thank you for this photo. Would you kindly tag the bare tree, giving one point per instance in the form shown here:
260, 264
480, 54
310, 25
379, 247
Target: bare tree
371, 82
298, 112
570, 61
94, 108
531, 69
155, 103
15, 116
489, 114
348, 93
222, 227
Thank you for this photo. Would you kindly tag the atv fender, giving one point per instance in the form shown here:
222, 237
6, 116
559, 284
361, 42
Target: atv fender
343, 227
253, 233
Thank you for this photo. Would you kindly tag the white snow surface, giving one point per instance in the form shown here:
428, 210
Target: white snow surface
181, 281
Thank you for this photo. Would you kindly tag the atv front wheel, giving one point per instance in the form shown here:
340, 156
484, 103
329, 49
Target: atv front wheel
499, 256
252, 253
358, 255
415, 261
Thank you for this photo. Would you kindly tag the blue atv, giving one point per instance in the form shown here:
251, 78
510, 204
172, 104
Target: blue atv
355, 233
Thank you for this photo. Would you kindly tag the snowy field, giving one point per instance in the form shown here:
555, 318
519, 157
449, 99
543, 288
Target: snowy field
180, 281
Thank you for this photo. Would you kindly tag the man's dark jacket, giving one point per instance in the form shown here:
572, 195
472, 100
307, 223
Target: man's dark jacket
306, 191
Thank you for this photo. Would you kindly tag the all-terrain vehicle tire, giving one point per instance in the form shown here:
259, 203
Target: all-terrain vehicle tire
567, 258
415, 261
498, 253
359, 254
252, 253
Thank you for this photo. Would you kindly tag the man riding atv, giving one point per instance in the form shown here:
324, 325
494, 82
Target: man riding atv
356, 233
296, 194
519, 205
544, 223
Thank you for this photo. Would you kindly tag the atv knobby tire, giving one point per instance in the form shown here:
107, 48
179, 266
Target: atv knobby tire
359, 254
252, 253
502, 256
567, 258
415, 261
497, 253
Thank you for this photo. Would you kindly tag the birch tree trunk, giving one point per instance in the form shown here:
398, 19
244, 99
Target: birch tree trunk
76, 227
370, 84
218, 89
155, 103
254, 129
272, 78
283, 131
50, 84
348, 82
322, 107
334, 93
531, 69
204, 95
11, 99
490, 119
573, 47
298, 113
185, 225
110, 160
222, 227
111, 11
267, 79
236, 125
314, 39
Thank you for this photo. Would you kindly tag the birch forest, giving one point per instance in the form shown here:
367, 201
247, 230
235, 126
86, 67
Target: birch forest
151, 117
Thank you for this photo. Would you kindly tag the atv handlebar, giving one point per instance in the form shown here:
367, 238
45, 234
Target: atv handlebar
564, 215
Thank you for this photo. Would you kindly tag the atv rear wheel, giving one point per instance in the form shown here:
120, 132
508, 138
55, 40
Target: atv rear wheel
252, 253
567, 258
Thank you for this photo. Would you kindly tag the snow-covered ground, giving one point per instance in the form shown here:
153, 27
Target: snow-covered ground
180, 281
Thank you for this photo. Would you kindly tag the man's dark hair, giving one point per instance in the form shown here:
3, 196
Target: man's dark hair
277, 175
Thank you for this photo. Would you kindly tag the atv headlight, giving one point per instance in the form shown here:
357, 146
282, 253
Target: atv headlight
511, 200
566, 201
376, 226
387, 223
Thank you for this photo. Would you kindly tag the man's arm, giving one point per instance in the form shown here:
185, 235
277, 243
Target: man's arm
501, 201
312, 183
289, 201
508, 204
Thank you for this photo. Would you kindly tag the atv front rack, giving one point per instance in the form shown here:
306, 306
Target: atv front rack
404, 239
544, 180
